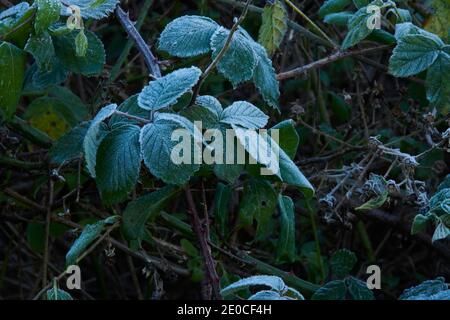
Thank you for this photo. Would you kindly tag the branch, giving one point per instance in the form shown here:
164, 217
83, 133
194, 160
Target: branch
143, 48
210, 268
324, 61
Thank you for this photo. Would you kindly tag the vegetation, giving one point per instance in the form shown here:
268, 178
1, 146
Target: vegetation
352, 96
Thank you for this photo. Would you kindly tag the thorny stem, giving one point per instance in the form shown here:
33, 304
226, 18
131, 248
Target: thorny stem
221, 53
315, 26
129, 27
210, 269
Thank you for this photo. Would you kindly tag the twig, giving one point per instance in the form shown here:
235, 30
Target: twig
221, 53
47, 231
144, 49
130, 116
210, 269
324, 61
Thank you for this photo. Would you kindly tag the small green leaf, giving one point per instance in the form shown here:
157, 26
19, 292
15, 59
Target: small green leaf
419, 224
118, 163
288, 137
286, 241
94, 136
143, 209
165, 91
88, 235
239, 61
437, 83
357, 28
187, 36
273, 27
70, 145
333, 6
358, 289
333, 290
342, 262
57, 294
40, 46
47, 13
91, 63
81, 44
12, 71
339, 18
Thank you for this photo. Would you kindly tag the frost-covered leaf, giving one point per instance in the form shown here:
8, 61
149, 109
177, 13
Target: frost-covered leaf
88, 235
12, 72
342, 262
38, 80
70, 145
40, 46
58, 294
47, 13
188, 36
239, 61
413, 54
273, 282
165, 91
264, 77
210, 103
286, 240
445, 184
333, 290
437, 83
96, 9
273, 27
90, 64
94, 135
333, 6
426, 289
358, 289
143, 209
357, 28
244, 114
267, 295
441, 232
118, 163
258, 203
156, 148
131, 107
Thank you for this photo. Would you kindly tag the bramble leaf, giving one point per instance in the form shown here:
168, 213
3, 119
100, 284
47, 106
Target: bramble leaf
244, 114
273, 27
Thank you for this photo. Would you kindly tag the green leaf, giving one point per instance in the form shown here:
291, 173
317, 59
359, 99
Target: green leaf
187, 36
81, 44
264, 77
12, 71
40, 46
273, 282
438, 21
38, 80
95, 9
267, 295
16, 23
445, 184
70, 145
239, 61
47, 14
339, 18
156, 148
286, 241
333, 6
358, 289
381, 190
357, 28
57, 294
419, 224
333, 290
288, 137
413, 54
259, 202
361, 3
88, 235
437, 83
244, 114
94, 136
165, 91
273, 27
425, 289
90, 64
118, 163
143, 209
342, 262
221, 208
